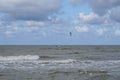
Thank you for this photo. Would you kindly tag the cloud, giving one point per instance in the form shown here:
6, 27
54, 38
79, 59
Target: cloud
104, 13
40, 17
36, 28
91, 18
36, 23
100, 7
77, 2
115, 14
8, 33
101, 31
117, 32
82, 29
30, 9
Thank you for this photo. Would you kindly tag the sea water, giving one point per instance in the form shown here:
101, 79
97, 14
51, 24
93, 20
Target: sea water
59, 62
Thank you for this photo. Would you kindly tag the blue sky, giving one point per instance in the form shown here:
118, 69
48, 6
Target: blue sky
49, 22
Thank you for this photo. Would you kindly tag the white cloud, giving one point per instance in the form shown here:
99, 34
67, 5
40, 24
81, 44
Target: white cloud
36, 23
101, 31
88, 17
8, 33
37, 28
91, 18
117, 32
82, 29
31, 29
103, 12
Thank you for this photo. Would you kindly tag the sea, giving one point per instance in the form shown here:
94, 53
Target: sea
60, 62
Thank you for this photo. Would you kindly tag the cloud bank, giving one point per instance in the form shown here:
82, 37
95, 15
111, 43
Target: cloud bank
111, 8
99, 6
56, 18
30, 9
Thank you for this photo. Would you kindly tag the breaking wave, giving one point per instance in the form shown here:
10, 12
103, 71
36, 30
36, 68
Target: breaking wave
31, 62
21, 57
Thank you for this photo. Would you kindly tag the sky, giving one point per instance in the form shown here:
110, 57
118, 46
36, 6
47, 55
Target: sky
49, 22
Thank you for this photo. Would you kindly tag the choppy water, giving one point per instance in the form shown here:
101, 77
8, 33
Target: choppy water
59, 62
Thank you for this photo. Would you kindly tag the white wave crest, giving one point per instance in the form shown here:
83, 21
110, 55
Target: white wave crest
31, 62
21, 57
58, 61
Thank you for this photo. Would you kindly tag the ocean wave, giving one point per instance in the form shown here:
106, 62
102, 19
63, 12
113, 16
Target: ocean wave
81, 62
33, 62
37, 59
21, 57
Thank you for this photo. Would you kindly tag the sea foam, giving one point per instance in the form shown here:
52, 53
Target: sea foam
20, 57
